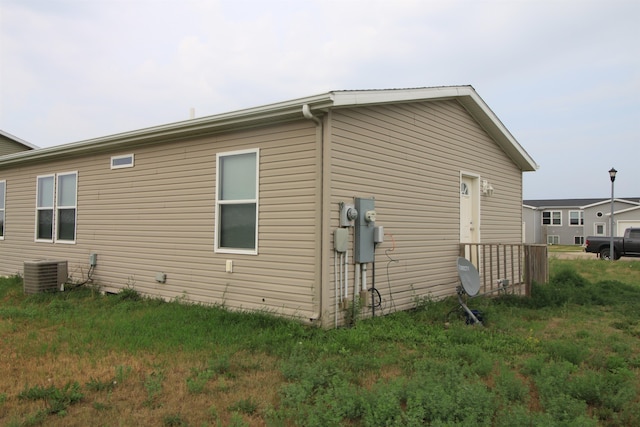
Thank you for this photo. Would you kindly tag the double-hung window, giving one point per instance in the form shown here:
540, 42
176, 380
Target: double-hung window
3, 192
56, 207
576, 218
237, 202
552, 218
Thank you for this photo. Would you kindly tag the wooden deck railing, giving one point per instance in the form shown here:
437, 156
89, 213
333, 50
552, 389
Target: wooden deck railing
509, 268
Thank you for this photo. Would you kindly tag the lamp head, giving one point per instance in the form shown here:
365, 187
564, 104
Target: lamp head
612, 174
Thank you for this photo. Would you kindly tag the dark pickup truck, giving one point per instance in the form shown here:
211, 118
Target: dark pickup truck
628, 245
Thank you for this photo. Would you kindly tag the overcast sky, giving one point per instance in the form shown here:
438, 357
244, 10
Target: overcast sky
563, 75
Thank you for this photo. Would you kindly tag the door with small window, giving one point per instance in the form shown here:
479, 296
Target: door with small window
469, 217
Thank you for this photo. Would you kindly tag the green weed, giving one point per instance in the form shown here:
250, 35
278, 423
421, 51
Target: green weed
57, 400
246, 406
566, 356
153, 385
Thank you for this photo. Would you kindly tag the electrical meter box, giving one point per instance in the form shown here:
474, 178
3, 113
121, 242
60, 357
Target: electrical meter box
340, 239
364, 230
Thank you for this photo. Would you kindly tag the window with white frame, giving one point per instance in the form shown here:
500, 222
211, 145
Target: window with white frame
119, 162
56, 207
578, 240
599, 228
44, 208
576, 218
3, 191
553, 240
237, 202
552, 218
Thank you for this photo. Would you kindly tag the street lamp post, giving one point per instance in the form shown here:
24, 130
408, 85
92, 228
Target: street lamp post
612, 175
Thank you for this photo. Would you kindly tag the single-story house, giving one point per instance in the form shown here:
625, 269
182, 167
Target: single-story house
570, 221
277, 207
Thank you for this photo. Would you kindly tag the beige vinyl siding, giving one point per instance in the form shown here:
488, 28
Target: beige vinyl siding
7, 146
159, 217
410, 157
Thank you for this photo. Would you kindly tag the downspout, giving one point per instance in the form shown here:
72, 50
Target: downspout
317, 313
306, 112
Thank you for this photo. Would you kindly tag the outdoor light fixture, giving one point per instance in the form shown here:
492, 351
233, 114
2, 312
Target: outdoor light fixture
486, 188
612, 175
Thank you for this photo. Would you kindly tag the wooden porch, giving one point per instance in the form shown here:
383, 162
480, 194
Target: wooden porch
507, 268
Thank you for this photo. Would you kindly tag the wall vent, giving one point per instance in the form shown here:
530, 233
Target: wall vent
44, 275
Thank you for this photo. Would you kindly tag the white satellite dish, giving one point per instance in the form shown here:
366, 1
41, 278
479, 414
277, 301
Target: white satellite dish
470, 284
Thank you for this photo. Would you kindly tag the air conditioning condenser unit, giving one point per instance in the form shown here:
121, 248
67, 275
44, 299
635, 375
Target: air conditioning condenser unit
44, 275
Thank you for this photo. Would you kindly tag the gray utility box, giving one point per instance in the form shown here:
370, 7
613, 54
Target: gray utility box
364, 229
44, 275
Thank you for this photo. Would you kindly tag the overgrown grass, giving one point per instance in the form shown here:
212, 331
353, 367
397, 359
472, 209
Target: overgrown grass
569, 355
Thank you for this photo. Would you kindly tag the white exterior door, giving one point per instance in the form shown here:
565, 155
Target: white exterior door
469, 212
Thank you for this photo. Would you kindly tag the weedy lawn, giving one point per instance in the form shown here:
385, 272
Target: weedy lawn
567, 356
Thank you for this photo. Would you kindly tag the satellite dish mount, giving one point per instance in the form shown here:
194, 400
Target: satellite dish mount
469, 285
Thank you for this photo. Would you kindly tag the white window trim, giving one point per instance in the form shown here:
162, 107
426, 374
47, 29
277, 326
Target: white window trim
580, 219
604, 228
74, 207
122, 157
552, 236
38, 209
551, 218
3, 208
54, 231
216, 237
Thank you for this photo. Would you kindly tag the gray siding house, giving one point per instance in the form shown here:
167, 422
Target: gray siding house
570, 221
247, 208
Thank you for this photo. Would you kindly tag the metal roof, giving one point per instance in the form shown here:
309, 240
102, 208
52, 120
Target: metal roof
292, 110
574, 203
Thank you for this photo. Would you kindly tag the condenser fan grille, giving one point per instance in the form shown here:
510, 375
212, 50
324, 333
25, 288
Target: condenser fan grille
44, 275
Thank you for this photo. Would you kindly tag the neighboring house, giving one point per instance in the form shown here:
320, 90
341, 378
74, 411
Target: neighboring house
10, 144
570, 221
241, 208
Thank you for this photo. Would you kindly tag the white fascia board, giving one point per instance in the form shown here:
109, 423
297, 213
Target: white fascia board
18, 140
292, 110
608, 202
272, 113
596, 204
352, 98
627, 210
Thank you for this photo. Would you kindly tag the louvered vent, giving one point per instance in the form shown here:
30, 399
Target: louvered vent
44, 275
